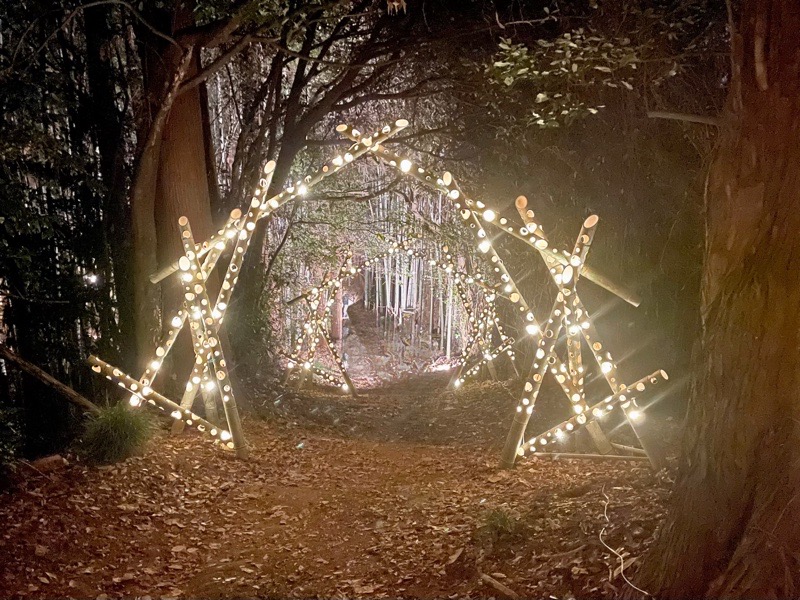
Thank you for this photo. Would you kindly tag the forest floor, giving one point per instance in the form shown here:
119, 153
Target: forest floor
392, 494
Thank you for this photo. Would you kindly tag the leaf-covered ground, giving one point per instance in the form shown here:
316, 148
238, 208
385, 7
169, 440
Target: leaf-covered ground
393, 494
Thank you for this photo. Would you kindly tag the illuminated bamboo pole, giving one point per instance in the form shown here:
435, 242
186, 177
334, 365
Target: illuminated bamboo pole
259, 208
566, 278
544, 348
608, 368
204, 321
339, 362
456, 380
624, 396
472, 368
150, 396
178, 321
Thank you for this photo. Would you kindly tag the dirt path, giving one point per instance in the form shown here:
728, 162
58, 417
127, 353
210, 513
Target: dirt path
395, 493
329, 510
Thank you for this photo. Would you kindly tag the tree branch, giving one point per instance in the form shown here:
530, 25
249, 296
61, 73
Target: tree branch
673, 116
215, 66
74, 14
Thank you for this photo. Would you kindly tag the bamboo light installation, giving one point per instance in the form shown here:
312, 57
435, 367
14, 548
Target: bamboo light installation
210, 369
568, 311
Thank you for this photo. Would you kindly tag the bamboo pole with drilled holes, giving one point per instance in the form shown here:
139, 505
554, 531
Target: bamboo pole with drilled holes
625, 396
150, 396
205, 322
565, 276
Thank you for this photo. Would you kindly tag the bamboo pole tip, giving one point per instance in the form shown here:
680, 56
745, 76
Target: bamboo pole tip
663, 374
521, 202
183, 221
401, 123
591, 221
341, 128
447, 177
269, 167
236, 214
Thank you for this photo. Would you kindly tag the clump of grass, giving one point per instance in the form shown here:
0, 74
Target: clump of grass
114, 434
499, 524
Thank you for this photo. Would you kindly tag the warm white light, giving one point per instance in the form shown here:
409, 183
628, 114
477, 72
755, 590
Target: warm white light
155, 365
635, 415
532, 329
224, 436
489, 215
405, 165
210, 386
302, 190
484, 246
606, 367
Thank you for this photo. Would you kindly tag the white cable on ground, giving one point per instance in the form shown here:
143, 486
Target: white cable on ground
610, 549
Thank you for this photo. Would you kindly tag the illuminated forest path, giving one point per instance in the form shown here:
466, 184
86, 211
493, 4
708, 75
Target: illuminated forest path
392, 494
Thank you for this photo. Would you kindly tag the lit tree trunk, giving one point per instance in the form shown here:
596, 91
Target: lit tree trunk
734, 528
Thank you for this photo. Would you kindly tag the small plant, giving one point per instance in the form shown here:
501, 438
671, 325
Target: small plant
114, 434
500, 524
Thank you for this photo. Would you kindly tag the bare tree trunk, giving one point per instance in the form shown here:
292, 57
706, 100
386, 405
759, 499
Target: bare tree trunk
734, 528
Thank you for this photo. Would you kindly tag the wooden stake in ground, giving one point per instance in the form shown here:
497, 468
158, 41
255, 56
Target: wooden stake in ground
34, 371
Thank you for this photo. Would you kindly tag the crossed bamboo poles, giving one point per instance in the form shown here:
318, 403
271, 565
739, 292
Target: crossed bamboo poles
195, 266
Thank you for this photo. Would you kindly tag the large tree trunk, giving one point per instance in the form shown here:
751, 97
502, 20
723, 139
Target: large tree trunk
108, 122
173, 180
162, 92
182, 190
734, 528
